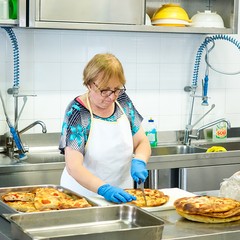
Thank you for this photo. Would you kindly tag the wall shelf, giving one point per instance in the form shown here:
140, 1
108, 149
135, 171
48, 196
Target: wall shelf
133, 28
8, 22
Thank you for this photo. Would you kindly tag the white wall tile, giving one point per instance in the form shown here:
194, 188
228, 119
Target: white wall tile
124, 47
147, 102
157, 68
47, 46
147, 76
73, 47
47, 76
47, 105
72, 76
148, 49
170, 103
233, 101
26, 76
130, 71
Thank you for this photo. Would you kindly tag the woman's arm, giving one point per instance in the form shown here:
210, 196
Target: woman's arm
75, 168
142, 148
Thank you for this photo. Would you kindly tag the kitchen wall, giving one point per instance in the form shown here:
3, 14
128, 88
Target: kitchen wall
157, 66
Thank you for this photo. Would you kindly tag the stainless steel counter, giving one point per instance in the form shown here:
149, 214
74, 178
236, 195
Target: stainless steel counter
194, 160
175, 227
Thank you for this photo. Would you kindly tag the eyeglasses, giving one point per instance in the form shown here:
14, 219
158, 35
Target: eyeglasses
107, 93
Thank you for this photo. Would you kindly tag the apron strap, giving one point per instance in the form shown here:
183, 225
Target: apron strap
90, 109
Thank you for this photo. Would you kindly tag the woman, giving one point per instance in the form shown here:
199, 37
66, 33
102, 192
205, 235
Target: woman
101, 132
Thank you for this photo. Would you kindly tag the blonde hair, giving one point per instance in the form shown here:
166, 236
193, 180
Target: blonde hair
103, 67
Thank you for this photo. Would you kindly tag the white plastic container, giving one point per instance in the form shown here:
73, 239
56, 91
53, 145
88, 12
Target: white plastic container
4, 9
152, 133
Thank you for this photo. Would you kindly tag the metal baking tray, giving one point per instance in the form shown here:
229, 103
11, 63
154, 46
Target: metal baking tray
110, 222
5, 209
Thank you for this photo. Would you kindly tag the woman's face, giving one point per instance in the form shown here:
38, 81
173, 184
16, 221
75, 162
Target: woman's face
104, 98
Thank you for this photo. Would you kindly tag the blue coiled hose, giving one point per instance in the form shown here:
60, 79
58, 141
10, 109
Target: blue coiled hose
13, 131
14, 42
202, 47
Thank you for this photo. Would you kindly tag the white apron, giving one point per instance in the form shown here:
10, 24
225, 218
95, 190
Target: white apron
108, 154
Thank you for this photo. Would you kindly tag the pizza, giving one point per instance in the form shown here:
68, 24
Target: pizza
22, 206
18, 196
154, 197
43, 199
42, 202
208, 209
79, 203
51, 192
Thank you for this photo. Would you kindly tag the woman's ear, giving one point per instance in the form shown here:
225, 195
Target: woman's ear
88, 87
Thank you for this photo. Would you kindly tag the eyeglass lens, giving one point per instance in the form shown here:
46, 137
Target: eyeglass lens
107, 93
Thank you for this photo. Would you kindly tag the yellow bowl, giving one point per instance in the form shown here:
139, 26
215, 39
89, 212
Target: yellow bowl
170, 22
172, 11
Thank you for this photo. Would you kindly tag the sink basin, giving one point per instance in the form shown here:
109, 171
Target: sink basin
230, 146
176, 149
38, 155
44, 157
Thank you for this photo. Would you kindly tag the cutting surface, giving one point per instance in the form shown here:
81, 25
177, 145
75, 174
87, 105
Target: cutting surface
173, 193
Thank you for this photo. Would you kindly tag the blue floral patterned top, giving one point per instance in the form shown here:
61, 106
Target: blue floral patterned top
77, 122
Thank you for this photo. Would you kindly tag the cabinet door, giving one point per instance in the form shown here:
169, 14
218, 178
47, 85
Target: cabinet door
208, 178
92, 11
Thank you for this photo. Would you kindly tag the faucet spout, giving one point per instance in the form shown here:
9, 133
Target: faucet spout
41, 123
210, 125
189, 126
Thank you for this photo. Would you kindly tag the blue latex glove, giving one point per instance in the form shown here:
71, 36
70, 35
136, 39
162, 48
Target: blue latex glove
139, 171
115, 194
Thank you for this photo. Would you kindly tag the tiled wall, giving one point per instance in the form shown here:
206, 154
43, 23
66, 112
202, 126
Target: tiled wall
157, 66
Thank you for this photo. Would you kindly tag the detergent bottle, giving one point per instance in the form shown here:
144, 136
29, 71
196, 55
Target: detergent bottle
152, 133
220, 132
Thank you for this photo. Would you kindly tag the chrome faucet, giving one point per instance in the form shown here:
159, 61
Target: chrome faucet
209, 125
44, 129
189, 127
13, 139
10, 143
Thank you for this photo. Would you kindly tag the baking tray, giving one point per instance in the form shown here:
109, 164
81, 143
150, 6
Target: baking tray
111, 222
5, 210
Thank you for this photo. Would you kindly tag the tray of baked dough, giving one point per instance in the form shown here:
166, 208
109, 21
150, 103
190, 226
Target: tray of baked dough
7, 207
110, 222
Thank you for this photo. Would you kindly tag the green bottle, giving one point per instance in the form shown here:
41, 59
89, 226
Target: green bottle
13, 9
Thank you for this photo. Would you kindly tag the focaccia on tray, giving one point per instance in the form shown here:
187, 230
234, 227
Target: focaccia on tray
154, 197
43, 199
22, 206
19, 196
208, 209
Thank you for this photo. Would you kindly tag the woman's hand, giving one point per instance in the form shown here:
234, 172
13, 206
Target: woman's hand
115, 194
139, 171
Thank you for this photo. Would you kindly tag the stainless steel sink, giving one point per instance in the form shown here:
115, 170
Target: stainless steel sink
36, 155
230, 146
176, 149
44, 157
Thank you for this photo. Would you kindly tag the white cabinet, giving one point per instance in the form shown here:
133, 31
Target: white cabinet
31, 15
